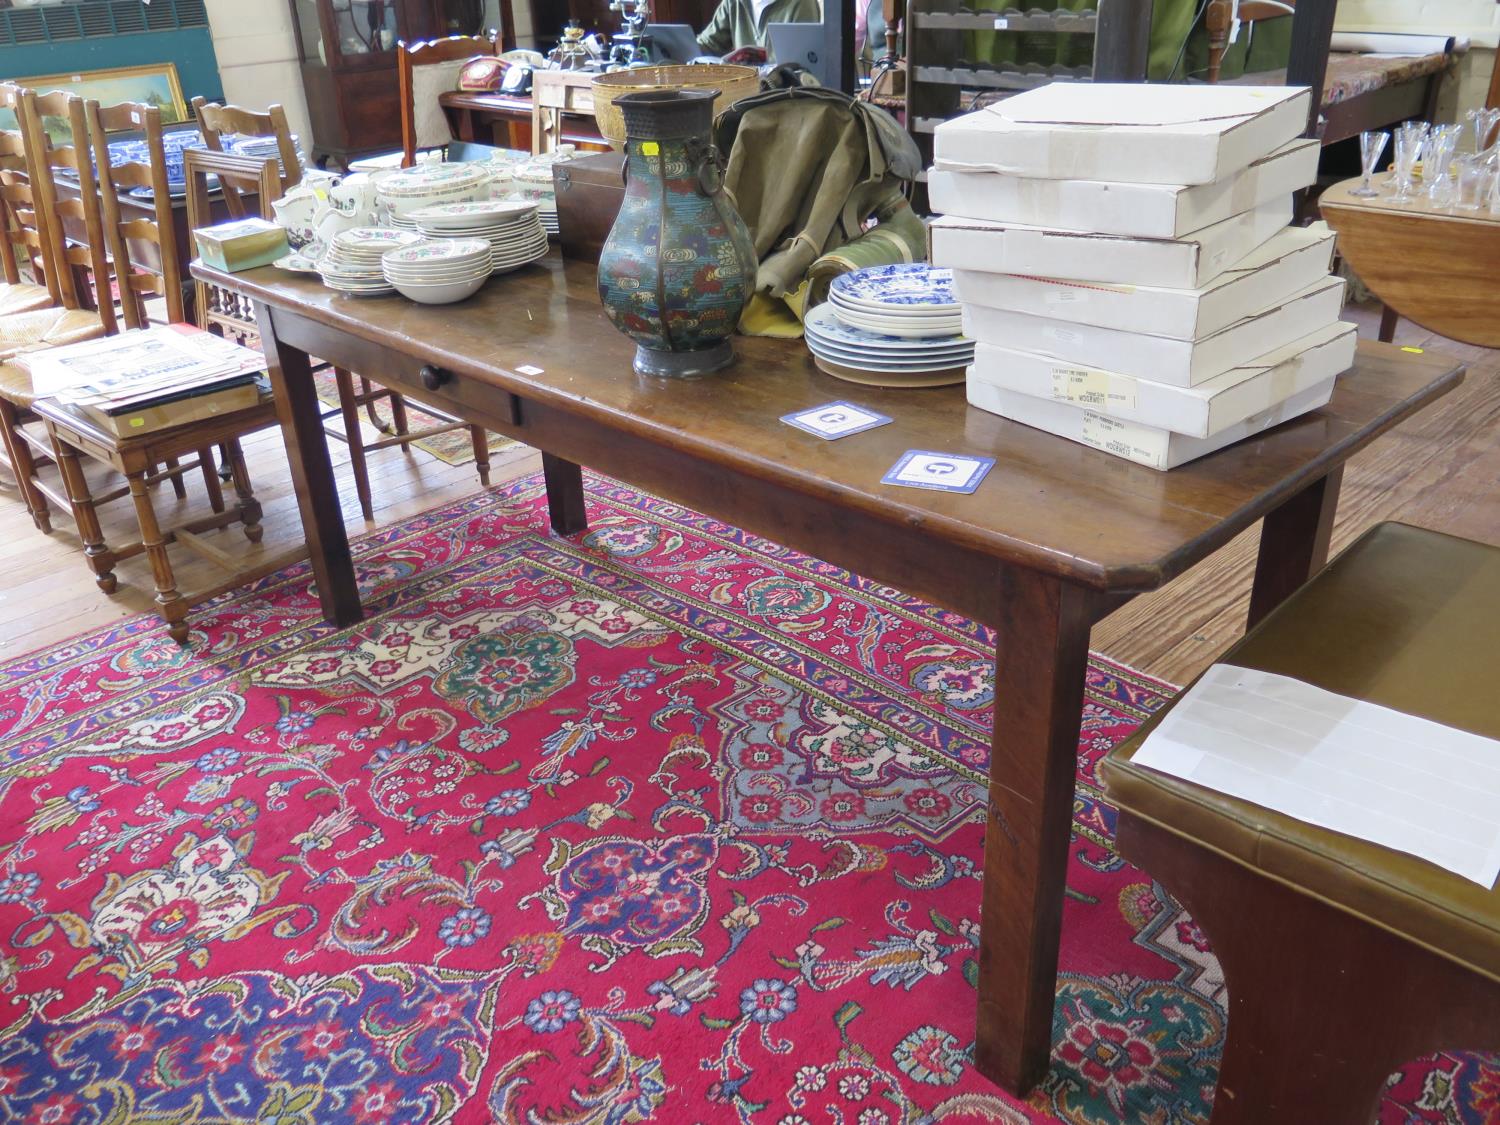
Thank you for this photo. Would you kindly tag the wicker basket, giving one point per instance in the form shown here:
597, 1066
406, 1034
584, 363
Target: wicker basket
732, 82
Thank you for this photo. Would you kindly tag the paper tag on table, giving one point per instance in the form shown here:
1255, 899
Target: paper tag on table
1343, 764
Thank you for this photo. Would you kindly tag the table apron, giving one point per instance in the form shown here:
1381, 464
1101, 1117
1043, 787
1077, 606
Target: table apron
907, 558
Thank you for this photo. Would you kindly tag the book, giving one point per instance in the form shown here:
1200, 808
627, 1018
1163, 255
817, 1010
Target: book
179, 411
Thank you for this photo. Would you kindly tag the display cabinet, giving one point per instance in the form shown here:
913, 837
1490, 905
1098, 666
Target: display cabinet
348, 54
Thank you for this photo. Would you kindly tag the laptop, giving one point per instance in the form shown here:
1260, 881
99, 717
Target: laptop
674, 42
804, 44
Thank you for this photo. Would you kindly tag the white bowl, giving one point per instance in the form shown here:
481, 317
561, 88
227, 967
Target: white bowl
443, 294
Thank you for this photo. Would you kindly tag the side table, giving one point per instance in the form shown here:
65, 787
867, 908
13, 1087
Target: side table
1434, 267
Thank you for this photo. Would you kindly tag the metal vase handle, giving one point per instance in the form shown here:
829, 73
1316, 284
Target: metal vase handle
710, 163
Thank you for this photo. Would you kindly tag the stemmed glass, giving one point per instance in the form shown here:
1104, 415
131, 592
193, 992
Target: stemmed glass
1437, 164
1482, 121
1410, 136
1371, 146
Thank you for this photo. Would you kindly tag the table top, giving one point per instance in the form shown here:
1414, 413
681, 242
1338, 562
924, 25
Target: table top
1048, 504
1421, 207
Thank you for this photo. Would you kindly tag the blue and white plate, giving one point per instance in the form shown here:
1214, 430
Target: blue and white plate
826, 322
900, 285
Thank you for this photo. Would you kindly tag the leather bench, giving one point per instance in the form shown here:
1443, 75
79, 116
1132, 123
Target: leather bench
1343, 959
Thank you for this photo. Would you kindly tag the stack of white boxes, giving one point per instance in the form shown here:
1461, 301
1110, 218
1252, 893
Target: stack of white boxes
1125, 265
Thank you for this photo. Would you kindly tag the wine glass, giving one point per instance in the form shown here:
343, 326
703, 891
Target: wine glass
1371, 146
1410, 137
1482, 121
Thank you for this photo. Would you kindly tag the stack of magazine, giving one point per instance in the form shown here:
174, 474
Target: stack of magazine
151, 379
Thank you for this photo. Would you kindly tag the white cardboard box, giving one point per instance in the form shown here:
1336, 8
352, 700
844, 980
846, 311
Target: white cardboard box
1293, 259
1172, 263
1181, 363
1099, 207
1146, 445
1130, 133
1200, 411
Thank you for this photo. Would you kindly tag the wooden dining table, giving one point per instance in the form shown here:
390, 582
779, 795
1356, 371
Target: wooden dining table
1057, 536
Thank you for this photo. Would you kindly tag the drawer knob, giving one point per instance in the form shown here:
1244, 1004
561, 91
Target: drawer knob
433, 377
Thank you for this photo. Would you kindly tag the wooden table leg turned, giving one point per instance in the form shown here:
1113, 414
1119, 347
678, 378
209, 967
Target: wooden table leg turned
211, 483
301, 416
96, 553
481, 440
1042, 649
23, 465
565, 505
249, 506
1294, 542
172, 606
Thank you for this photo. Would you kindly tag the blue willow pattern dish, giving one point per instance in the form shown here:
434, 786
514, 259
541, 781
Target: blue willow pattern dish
824, 322
678, 266
902, 283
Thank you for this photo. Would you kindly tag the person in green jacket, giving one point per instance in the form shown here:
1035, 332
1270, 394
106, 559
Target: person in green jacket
742, 23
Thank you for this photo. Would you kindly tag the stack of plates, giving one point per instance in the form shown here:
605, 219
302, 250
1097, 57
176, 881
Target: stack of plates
427, 185
439, 271
910, 299
895, 325
513, 228
352, 263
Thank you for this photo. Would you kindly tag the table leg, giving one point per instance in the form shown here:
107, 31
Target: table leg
172, 606
479, 438
249, 506
564, 495
211, 483
1042, 649
23, 466
301, 416
100, 558
1294, 543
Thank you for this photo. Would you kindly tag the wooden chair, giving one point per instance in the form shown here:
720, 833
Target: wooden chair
216, 122
16, 293
1343, 959
78, 240
146, 261
1218, 19
423, 71
31, 204
225, 313
257, 177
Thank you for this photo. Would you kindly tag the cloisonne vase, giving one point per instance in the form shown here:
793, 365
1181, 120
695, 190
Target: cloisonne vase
678, 265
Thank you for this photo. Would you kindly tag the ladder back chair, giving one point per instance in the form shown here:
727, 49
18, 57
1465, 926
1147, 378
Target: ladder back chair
137, 274
34, 209
423, 71
216, 122
18, 222
78, 240
146, 260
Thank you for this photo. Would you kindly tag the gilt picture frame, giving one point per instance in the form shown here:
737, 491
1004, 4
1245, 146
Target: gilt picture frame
155, 84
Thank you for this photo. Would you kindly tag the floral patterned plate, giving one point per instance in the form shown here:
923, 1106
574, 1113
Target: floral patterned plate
444, 250
902, 284
826, 322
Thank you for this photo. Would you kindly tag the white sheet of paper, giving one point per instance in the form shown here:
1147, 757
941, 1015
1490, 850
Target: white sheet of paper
1343, 764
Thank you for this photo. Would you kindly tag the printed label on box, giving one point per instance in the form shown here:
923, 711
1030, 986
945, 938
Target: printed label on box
1087, 387
1123, 439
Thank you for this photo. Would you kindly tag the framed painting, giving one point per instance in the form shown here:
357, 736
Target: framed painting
156, 84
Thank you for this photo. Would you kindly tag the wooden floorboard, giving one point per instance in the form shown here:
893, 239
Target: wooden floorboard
1439, 470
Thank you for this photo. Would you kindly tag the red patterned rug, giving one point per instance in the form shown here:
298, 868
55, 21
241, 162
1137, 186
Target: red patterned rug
664, 822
